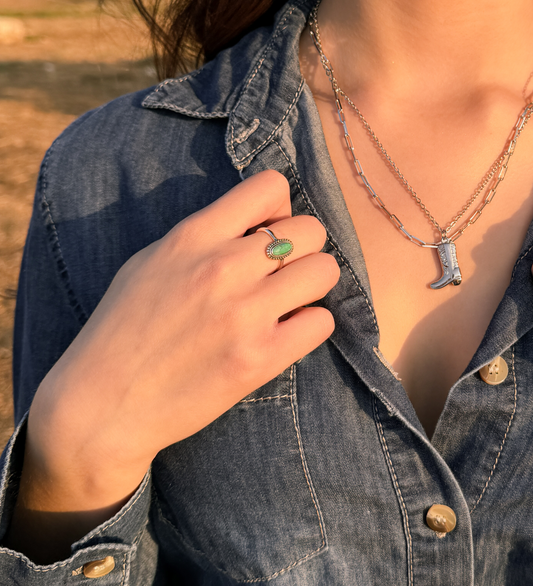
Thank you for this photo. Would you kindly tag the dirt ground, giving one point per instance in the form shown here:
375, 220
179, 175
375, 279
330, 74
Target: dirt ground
73, 57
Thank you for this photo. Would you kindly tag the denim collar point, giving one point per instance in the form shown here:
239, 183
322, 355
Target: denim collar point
256, 103
178, 95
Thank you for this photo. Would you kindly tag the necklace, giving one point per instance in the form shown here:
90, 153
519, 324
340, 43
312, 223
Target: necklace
451, 273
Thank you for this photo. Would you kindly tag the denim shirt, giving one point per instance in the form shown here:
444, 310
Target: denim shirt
324, 476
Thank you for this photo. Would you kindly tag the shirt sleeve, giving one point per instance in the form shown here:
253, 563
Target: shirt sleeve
120, 551
48, 317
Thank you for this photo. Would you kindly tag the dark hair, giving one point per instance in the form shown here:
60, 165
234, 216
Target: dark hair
185, 33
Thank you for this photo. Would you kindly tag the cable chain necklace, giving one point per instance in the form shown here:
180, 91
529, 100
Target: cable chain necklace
451, 273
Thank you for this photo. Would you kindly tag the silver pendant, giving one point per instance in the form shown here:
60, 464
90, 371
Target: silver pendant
451, 274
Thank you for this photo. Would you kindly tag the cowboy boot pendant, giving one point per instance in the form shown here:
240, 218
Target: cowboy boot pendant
450, 267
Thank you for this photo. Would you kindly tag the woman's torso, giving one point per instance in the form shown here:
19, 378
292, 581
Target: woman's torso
325, 475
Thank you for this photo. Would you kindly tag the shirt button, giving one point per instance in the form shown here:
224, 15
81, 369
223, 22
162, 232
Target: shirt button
99, 568
441, 519
495, 372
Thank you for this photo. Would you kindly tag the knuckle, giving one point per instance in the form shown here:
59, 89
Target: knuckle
321, 233
276, 180
318, 228
313, 228
272, 185
188, 230
213, 273
330, 270
136, 263
326, 321
241, 360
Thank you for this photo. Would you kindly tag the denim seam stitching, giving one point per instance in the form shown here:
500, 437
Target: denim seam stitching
274, 130
263, 57
175, 80
124, 512
225, 572
345, 263
504, 437
123, 581
265, 399
304, 461
309, 486
183, 539
53, 567
247, 132
8, 451
53, 239
330, 240
39, 570
124, 563
279, 30
398, 491
385, 363
78, 571
313, 497
520, 260
191, 113
126, 568
267, 49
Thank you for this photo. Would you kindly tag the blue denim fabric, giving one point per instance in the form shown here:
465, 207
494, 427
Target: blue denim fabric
324, 475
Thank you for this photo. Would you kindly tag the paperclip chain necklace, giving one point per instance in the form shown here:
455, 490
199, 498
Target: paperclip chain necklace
451, 273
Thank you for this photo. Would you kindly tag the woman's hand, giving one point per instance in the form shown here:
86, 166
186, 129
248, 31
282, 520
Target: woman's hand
189, 326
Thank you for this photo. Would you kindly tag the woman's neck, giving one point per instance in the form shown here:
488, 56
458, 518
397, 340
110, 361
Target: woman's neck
428, 47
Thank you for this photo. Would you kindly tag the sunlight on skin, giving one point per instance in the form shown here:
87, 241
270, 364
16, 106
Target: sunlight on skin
443, 125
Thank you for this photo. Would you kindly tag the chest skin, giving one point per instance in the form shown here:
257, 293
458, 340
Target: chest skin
430, 336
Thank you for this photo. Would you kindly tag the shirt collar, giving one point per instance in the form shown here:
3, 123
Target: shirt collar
254, 84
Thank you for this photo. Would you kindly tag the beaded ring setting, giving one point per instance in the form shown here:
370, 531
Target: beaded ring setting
279, 249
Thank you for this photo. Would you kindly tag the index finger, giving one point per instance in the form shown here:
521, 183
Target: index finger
261, 199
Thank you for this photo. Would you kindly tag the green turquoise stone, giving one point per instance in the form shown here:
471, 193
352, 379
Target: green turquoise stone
281, 249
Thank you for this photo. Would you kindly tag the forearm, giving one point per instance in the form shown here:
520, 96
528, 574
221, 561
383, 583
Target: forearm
65, 498
122, 536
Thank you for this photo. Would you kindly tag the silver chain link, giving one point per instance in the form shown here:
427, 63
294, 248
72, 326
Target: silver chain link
496, 173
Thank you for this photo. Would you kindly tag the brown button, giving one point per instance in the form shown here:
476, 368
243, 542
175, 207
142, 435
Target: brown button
441, 519
495, 372
99, 568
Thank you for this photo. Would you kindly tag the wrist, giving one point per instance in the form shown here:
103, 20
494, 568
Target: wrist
66, 468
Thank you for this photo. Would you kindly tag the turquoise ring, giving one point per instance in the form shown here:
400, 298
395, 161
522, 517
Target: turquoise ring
279, 249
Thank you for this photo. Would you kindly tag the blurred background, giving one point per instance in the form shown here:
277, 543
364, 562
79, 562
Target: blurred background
58, 59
